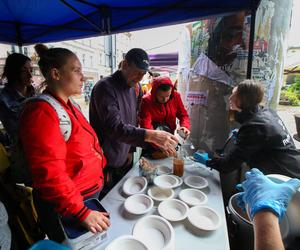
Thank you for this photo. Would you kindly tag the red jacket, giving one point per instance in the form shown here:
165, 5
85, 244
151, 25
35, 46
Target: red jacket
64, 173
153, 112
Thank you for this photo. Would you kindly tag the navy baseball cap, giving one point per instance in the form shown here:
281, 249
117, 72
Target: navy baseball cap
139, 57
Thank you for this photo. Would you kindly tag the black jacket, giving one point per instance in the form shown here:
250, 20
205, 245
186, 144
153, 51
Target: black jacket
262, 142
10, 104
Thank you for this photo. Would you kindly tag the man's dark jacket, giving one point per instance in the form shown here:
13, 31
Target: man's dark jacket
113, 115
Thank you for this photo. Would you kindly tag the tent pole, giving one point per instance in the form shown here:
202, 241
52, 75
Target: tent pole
251, 43
19, 37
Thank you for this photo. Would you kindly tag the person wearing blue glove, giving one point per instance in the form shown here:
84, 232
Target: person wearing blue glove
266, 202
262, 139
234, 133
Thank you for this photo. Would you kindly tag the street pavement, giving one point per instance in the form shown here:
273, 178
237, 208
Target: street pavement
286, 114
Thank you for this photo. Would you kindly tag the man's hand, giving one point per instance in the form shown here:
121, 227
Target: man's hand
260, 193
164, 140
96, 222
183, 131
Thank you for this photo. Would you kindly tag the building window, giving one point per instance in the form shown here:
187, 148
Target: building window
91, 61
108, 50
107, 44
25, 51
107, 61
83, 59
13, 48
101, 59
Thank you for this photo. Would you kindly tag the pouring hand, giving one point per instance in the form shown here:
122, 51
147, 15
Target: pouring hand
184, 131
164, 140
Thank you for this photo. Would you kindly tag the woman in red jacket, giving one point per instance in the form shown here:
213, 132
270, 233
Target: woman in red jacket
64, 173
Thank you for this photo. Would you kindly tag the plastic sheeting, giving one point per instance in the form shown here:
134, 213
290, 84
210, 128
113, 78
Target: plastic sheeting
209, 118
206, 67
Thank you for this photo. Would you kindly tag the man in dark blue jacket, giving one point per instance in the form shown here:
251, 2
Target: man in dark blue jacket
113, 116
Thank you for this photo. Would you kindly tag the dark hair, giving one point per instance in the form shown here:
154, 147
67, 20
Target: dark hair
249, 93
51, 58
164, 87
13, 66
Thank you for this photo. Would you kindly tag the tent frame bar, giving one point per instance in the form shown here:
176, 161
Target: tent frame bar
105, 14
65, 25
82, 15
251, 43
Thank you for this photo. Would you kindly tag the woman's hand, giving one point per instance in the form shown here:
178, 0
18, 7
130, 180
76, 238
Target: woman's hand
185, 131
96, 222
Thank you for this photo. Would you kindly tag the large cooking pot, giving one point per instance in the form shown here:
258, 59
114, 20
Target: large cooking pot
241, 229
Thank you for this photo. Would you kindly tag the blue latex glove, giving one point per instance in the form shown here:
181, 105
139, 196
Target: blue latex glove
261, 193
234, 133
201, 157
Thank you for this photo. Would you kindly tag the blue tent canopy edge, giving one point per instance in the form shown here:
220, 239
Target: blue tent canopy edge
24, 22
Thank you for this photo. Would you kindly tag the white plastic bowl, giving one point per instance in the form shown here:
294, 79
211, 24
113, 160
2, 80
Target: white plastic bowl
126, 242
155, 232
134, 185
195, 181
138, 204
166, 181
180, 181
204, 218
173, 210
160, 194
163, 170
193, 197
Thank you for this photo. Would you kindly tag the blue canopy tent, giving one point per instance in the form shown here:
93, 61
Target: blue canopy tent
25, 22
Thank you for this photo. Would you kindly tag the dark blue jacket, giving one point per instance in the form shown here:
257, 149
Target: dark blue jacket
10, 104
263, 142
113, 115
